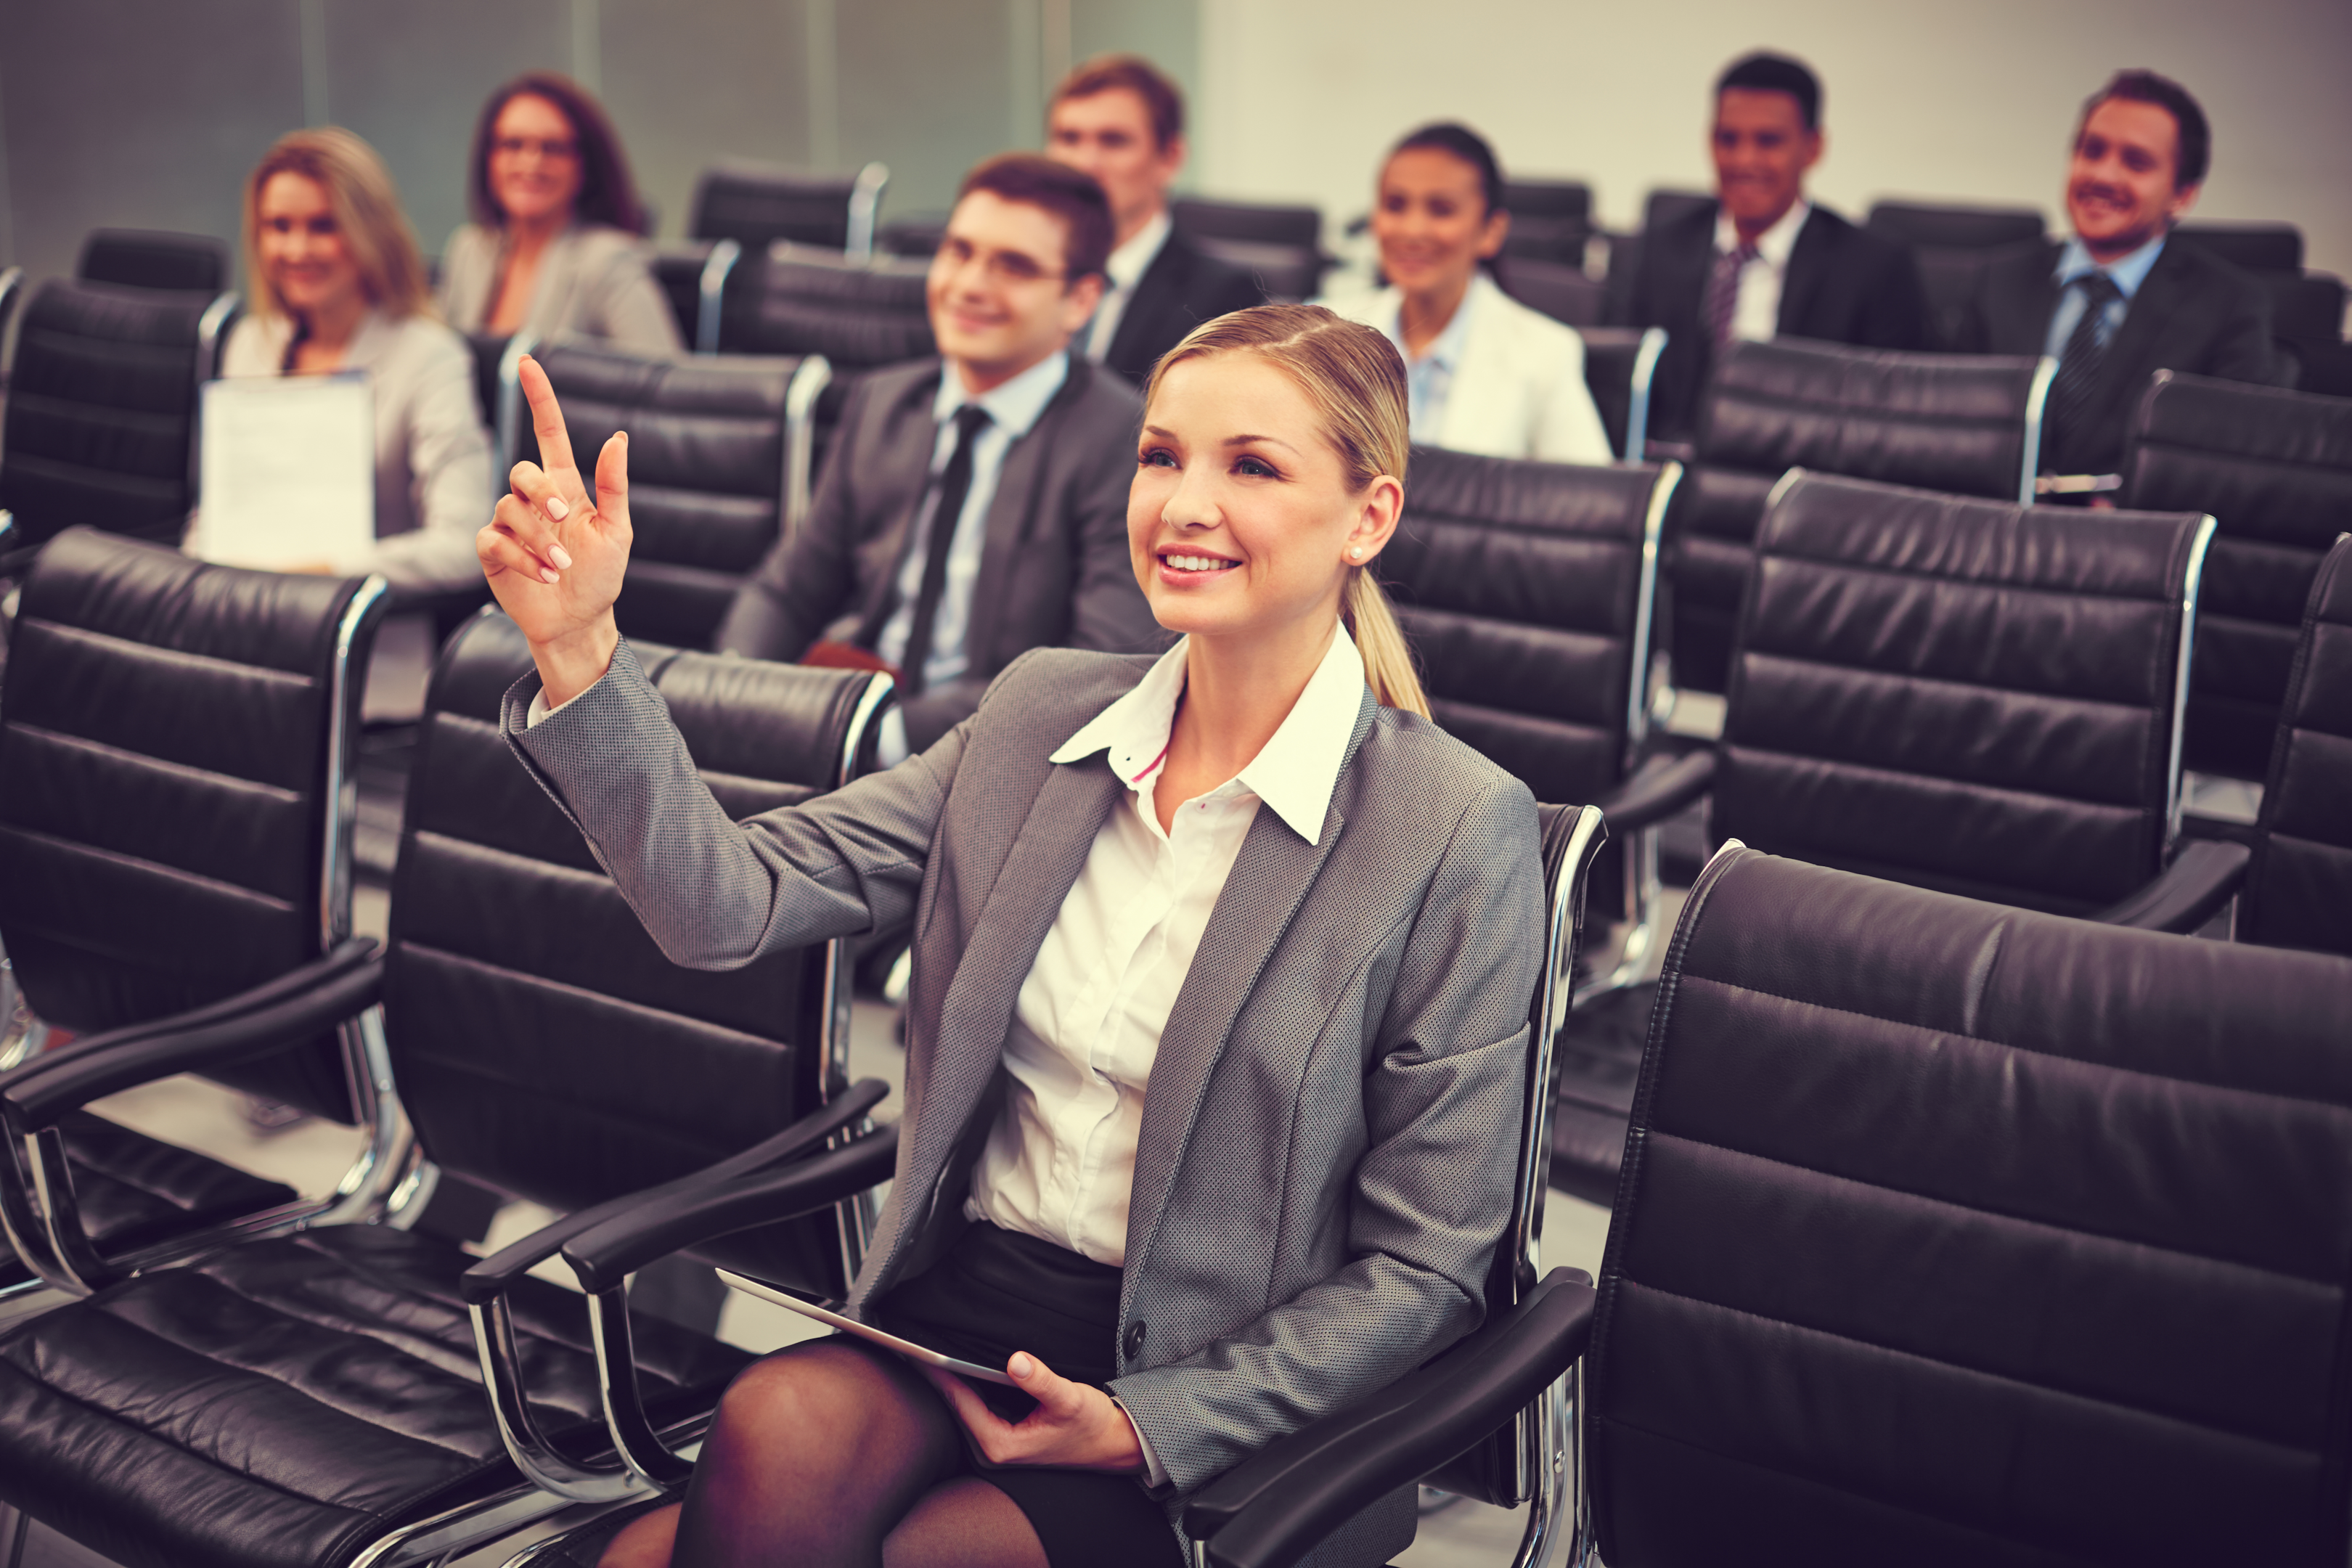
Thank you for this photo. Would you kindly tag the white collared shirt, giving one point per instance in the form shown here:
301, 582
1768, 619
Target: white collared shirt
1123, 271
1060, 1160
1428, 379
2127, 275
1756, 318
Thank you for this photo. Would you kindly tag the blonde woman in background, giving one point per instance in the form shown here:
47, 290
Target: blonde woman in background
335, 283
554, 248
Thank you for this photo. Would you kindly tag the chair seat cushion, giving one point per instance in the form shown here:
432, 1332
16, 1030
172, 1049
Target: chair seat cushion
284, 1403
135, 1192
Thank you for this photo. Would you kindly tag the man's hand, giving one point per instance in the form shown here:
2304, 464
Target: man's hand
1075, 1427
554, 558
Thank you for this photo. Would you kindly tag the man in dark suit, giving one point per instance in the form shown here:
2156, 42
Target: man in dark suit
2116, 302
1119, 119
974, 506
1761, 262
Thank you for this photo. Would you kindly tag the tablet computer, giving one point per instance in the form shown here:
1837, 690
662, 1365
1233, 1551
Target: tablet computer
890, 1341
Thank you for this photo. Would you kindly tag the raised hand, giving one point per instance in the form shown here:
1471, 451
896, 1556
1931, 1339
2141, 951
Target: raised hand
1075, 1425
554, 559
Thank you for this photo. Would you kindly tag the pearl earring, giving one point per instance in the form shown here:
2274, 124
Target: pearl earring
1357, 554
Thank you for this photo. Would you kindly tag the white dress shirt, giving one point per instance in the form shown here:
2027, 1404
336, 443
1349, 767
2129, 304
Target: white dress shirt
1060, 1160
1124, 271
1756, 318
2127, 275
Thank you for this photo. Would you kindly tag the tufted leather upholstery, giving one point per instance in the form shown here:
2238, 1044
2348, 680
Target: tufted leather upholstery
1939, 422
102, 405
707, 482
2274, 469
1955, 1235
142, 259
2299, 883
1617, 376
858, 314
1520, 588
284, 1402
754, 203
1966, 695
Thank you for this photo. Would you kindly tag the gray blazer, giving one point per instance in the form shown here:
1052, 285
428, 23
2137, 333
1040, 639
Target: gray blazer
1055, 569
593, 283
1326, 1158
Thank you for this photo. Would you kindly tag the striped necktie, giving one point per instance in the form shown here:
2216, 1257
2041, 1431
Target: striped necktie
2078, 370
1723, 292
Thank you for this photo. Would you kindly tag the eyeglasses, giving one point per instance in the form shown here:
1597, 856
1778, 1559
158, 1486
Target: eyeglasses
552, 147
1007, 266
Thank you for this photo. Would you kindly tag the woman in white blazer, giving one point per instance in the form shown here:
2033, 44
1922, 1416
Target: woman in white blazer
1486, 373
336, 284
553, 247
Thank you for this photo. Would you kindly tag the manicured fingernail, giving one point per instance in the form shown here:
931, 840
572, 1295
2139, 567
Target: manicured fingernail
545, 575
560, 556
1020, 1366
556, 509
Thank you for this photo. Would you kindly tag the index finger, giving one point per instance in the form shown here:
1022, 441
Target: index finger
547, 419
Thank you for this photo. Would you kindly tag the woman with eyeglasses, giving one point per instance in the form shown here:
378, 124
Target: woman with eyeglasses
554, 248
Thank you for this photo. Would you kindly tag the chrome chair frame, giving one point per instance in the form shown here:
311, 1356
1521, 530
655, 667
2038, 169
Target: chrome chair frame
808, 385
710, 293
865, 206
2037, 400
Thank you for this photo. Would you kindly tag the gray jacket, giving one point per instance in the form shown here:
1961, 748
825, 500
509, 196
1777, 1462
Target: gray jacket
1326, 1158
593, 283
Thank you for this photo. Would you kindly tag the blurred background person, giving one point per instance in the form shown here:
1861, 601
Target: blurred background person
2115, 303
1121, 120
1484, 374
1762, 261
335, 283
554, 246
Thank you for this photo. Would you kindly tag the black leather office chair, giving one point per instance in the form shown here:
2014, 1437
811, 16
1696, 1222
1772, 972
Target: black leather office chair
102, 406
1558, 289
1551, 221
756, 204
915, 237
693, 275
1526, 591
1950, 1233
1966, 424
147, 258
2251, 246
175, 841
1665, 204
2275, 470
1283, 245
319, 1399
858, 314
1954, 227
1972, 696
719, 467
1620, 363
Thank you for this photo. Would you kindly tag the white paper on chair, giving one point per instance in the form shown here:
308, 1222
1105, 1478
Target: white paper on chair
289, 473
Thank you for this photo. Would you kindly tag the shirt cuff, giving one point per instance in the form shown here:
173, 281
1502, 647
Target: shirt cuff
1155, 1472
540, 710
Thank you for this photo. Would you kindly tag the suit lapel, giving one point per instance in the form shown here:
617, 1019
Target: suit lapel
906, 445
1810, 260
1012, 513
2138, 344
1160, 289
1270, 878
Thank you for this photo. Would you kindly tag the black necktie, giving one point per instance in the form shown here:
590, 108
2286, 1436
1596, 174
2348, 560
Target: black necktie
947, 509
2078, 368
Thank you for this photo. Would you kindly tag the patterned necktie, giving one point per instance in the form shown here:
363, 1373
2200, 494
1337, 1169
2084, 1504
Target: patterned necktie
947, 511
1723, 293
2078, 368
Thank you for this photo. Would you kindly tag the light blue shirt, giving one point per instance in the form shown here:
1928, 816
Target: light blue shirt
1428, 379
1013, 409
2127, 275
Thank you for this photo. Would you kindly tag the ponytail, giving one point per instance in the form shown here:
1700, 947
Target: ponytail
1388, 657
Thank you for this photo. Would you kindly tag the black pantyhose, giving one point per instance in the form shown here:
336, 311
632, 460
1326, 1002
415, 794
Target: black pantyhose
827, 1457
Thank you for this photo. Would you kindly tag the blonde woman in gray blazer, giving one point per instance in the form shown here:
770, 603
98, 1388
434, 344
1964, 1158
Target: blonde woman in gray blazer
1217, 1038
553, 247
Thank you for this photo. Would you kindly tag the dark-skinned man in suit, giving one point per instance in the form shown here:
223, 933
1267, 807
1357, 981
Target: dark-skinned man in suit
1761, 262
2118, 301
1122, 120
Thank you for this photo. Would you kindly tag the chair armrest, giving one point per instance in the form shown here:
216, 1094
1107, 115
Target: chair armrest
606, 1256
271, 1016
1657, 789
1271, 1508
497, 1273
2203, 876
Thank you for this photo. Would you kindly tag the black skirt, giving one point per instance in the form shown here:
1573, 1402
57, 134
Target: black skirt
997, 1291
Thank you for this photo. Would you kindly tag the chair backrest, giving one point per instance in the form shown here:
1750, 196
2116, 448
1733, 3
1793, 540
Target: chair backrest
1966, 424
2275, 470
1558, 288
1551, 220
1664, 206
1945, 227
147, 258
755, 204
858, 314
718, 467
2299, 885
102, 409
175, 741
541, 1042
916, 235
1260, 223
1953, 1234
2306, 308
2253, 247
1526, 589
1547, 198
489, 351
1620, 363
1972, 696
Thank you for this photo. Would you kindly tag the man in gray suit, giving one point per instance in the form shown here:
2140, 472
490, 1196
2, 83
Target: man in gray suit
1026, 449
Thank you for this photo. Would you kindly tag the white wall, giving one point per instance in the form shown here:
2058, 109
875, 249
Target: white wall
1956, 102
